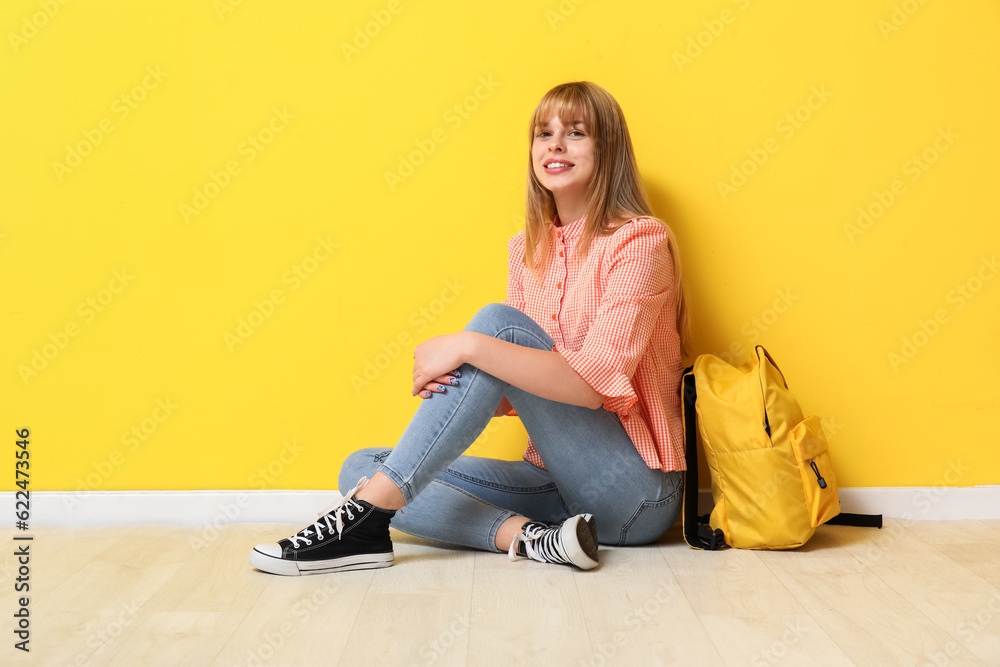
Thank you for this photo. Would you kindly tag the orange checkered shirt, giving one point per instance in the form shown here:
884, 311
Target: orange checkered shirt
612, 316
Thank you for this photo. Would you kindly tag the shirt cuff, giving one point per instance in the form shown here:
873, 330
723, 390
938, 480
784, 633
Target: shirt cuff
610, 382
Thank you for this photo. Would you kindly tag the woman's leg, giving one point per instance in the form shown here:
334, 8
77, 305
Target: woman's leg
588, 455
469, 501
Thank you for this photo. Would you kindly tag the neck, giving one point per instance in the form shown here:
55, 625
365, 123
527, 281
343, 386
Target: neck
570, 211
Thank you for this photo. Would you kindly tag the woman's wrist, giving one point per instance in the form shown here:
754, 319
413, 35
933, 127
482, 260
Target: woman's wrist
470, 347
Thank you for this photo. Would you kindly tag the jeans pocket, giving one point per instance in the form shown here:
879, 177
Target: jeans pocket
651, 519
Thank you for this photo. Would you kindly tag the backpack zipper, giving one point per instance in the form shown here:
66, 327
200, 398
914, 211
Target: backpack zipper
819, 477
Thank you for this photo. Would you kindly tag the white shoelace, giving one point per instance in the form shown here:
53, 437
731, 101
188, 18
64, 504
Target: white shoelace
331, 518
541, 543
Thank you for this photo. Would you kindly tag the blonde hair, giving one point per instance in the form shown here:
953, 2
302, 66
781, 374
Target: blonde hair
615, 194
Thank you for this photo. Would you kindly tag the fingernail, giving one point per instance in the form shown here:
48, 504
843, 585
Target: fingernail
454, 382
442, 388
457, 374
427, 394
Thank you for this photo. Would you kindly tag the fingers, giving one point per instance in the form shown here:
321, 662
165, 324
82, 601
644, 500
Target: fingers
438, 385
432, 388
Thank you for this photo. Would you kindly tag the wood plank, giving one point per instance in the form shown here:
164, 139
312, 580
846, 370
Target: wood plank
56, 554
730, 582
527, 612
773, 639
218, 575
951, 532
171, 638
637, 614
869, 621
928, 581
298, 621
423, 603
93, 609
980, 558
909, 594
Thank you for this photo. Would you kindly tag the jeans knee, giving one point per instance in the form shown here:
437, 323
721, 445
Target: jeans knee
362, 463
491, 317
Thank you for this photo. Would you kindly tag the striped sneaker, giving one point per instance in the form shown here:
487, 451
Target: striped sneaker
573, 542
351, 535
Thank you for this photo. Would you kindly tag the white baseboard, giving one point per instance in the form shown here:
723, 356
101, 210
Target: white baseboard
188, 508
218, 508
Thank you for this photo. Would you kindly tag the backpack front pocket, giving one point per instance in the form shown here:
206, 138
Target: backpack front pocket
818, 479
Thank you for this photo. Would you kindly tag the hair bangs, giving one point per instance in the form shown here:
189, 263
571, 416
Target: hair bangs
569, 103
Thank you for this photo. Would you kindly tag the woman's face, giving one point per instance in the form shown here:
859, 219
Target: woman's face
562, 157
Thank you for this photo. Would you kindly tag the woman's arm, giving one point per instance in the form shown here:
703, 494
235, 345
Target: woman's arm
541, 372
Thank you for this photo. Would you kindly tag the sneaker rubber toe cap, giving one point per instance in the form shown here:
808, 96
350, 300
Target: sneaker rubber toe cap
273, 550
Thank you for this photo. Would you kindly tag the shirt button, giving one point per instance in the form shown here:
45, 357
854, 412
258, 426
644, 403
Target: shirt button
559, 285
553, 316
560, 253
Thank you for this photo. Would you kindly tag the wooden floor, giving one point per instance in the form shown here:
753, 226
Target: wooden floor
914, 593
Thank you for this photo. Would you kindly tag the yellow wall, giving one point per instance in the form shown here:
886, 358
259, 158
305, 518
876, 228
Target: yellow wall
218, 217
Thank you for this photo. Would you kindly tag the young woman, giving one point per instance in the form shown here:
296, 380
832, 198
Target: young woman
586, 350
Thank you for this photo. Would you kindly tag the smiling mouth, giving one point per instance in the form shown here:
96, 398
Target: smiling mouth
557, 165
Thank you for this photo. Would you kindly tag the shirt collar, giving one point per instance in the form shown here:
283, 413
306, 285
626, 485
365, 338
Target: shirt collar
572, 230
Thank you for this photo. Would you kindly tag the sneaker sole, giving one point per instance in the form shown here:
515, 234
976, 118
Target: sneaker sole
583, 554
295, 568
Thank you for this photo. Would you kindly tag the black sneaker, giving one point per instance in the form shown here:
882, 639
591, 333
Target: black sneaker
333, 543
573, 542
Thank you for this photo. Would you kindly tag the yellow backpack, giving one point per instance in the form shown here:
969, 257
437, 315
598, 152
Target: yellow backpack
772, 479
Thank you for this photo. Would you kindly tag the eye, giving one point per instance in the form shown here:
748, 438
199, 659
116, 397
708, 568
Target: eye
541, 134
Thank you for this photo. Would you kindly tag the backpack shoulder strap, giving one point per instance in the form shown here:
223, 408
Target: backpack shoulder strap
697, 533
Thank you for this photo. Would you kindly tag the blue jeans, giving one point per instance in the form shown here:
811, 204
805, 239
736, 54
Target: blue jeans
591, 465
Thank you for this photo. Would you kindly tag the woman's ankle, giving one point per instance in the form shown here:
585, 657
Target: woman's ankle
381, 492
507, 530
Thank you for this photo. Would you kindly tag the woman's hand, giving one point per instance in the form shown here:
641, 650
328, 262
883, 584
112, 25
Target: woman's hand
435, 364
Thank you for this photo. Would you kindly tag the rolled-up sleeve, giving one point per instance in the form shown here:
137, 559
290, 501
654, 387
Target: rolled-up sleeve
639, 282
515, 272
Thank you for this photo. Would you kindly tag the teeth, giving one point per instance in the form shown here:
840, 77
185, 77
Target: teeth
552, 165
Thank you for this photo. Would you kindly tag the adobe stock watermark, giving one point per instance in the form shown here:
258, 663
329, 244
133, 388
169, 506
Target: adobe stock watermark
697, 43
667, 594
786, 126
967, 631
59, 340
31, 25
248, 149
958, 297
914, 167
100, 640
364, 34
419, 320
757, 325
778, 650
263, 477
131, 439
454, 117
272, 640
433, 650
900, 16
263, 309
223, 7
122, 107
923, 502
563, 11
